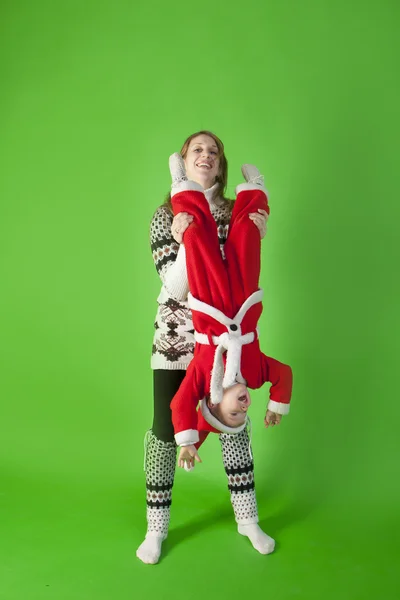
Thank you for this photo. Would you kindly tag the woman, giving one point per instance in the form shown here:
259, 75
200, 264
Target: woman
173, 344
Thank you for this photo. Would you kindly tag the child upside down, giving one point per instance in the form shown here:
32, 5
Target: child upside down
225, 300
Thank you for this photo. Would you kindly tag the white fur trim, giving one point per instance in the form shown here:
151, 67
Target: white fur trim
213, 421
233, 356
186, 186
217, 375
255, 298
242, 187
206, 309
219, 316
187, 437
233, 364
221, 340
280, 408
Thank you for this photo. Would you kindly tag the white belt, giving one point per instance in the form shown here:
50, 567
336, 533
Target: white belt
230, 342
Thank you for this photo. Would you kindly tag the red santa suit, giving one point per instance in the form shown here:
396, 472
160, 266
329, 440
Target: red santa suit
225, 300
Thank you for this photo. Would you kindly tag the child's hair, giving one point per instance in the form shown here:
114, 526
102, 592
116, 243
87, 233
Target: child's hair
222, 177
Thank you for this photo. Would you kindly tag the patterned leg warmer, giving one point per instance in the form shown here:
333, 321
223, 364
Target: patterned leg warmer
239, 467
160, 470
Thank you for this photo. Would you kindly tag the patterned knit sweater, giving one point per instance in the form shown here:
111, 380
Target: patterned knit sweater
173, 342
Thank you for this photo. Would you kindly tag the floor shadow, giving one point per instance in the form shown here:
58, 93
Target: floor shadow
285, 517
274, 524
196, 526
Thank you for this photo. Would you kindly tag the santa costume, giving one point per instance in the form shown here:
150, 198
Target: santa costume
225, 300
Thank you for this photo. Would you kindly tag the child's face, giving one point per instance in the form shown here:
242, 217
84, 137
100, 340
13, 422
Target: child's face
233, 407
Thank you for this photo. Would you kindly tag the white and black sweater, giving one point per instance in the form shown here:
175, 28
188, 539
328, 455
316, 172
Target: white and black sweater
173, 342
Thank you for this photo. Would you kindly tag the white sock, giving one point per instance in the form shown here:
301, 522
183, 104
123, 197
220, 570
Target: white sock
177, 169
260, 540
149, 551
252, 175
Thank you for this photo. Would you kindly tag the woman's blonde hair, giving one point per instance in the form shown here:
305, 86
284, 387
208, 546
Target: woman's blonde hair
222, 177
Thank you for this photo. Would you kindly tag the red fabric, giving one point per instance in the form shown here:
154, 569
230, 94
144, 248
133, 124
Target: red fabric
225, 285
243, 247
207, 275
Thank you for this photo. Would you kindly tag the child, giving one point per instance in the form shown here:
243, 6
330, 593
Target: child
226, 304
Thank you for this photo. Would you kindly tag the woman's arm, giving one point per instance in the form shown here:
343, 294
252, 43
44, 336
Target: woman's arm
169, 256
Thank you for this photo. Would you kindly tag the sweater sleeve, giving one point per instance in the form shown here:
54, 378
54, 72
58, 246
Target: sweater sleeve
184, 406
281, 378
169, 256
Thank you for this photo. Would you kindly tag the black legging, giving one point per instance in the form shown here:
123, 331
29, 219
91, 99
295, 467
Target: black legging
166, 383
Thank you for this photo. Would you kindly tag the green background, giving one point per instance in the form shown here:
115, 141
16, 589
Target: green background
94, 98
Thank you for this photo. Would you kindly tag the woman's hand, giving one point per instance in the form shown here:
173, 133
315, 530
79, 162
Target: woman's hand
272, 418
179, 225
187, 457
260, 219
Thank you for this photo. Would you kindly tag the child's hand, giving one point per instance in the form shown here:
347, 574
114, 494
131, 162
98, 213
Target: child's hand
187, 457
272, 418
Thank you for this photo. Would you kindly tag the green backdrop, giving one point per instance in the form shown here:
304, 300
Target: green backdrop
94, 98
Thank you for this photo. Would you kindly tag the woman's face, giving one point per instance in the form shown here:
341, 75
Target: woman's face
202, 161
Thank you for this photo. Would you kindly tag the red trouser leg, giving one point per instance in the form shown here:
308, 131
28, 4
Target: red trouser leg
243, 246
207, 275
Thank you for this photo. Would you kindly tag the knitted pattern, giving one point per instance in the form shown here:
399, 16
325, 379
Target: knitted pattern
160, 471
239, 469
163, 245
173, 341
